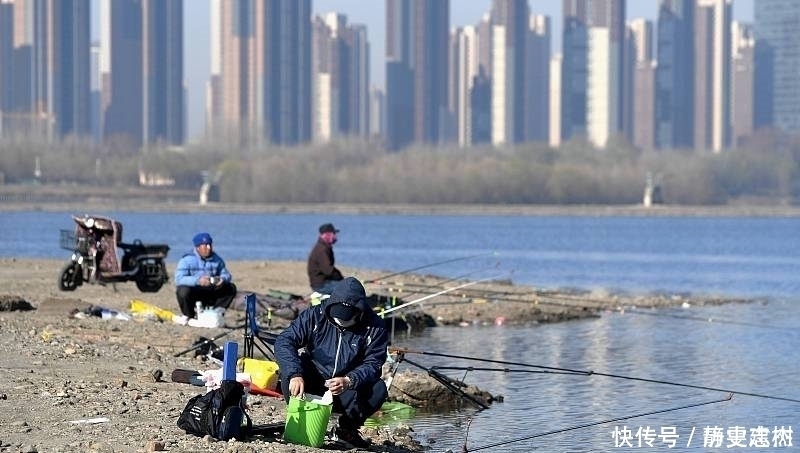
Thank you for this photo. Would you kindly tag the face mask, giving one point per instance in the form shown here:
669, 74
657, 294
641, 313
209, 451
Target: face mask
342, 323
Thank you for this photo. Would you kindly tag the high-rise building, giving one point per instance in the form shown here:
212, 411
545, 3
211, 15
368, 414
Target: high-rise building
593, 69
416, 71
340, 78
675, 75
554, 134
51, 67
778, 60
142, 71
742, 82
537, 80
95, 94
640, 91
510, 29
264, 60
712, 45
6, 61
465, 67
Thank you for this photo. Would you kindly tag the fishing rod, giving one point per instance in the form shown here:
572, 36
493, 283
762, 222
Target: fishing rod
430, 296
449, 280
597, 373
438, 263
561, 301
449, 383
602, 422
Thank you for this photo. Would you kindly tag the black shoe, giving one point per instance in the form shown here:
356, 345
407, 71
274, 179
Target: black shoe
350, 436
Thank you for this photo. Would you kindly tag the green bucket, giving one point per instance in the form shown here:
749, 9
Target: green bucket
306, 422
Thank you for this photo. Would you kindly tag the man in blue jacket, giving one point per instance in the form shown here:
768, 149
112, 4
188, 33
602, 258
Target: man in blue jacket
201, 275
344, 347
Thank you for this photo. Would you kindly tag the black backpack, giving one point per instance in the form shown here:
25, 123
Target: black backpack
219, 413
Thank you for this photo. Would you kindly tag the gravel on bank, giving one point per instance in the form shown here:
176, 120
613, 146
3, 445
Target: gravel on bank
72, 384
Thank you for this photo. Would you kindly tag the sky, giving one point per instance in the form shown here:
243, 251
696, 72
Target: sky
372, 14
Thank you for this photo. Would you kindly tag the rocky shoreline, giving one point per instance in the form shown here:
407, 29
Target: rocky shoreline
89, 384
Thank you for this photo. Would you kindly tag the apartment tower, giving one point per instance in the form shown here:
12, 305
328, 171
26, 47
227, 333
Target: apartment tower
263, 90
712, 79
417, 36
142, 72
778, 64
510, 29
50, 57
674, 102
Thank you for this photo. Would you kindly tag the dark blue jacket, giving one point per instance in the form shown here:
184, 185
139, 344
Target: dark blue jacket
357, 352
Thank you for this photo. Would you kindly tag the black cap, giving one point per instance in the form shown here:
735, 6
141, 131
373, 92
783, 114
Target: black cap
327, 228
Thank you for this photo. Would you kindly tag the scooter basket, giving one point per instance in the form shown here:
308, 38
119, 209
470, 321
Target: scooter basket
69, 241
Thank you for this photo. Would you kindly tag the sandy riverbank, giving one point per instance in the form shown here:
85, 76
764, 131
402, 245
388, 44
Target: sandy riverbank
55, 368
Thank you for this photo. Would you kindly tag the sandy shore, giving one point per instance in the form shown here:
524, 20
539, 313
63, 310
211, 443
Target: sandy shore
56, 368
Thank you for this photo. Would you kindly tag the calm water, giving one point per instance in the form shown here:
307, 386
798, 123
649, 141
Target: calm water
755, 257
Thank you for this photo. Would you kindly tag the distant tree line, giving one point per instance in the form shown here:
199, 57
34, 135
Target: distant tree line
766, 169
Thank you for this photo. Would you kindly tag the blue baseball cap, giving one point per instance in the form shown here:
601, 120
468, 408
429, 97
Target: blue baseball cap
201, 238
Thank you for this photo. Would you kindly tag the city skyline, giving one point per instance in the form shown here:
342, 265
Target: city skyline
372, 14
600, 128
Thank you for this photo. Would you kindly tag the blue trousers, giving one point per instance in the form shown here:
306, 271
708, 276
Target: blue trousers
354, 405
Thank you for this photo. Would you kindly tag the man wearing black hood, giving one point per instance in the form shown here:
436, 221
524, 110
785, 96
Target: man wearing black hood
344, 344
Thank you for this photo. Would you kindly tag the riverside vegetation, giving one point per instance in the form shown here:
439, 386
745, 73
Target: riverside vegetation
763, 170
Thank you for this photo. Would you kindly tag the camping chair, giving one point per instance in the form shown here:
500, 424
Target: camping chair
252, 332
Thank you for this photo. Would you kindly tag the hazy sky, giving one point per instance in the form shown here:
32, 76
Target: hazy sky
372, 14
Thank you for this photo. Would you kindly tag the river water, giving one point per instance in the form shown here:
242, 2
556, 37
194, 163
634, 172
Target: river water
749, 348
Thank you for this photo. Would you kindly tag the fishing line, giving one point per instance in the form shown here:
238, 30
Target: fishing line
708, 319
442, 283
602, 422
562, 301
596, 373
438, 263
444, 291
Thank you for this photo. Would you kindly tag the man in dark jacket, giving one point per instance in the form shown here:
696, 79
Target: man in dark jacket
322, 272
344, 344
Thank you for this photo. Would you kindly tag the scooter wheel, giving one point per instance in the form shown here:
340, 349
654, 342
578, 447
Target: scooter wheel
70, 277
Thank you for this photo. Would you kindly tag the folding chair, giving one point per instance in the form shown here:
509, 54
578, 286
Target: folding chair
252, 332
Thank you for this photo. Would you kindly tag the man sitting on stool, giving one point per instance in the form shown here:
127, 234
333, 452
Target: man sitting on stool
201, 275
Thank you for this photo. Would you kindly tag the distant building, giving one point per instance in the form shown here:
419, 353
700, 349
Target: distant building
51, 67
464, 68
712, 83
6, 61
142, 71
742, 82
674, 101
537, 79
510, 28
640, 90
340, 64
554, 134
416, 71
263, 88
377, 114
593, 69
778, 60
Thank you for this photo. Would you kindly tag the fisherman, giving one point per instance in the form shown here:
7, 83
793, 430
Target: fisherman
344, 348
322, 272
201, 276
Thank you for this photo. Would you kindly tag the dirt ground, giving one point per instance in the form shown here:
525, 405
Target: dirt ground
70, 384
